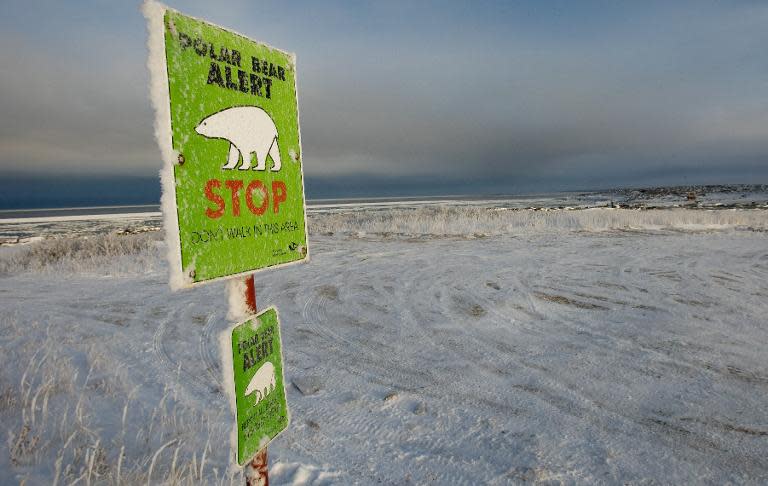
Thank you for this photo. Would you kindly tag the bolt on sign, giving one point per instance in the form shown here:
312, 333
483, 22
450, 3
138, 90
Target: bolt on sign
233, 191
255, 373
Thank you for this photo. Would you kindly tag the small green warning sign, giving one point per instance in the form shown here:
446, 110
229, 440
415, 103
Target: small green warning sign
234, 179
257, 368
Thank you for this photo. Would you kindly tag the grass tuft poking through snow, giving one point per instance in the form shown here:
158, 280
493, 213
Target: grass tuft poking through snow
82, 254
71, 417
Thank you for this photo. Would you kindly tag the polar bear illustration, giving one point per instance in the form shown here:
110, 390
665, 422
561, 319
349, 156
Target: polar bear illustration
248, 129
263, 382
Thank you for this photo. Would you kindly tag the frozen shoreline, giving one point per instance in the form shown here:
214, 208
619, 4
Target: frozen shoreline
708, 197
433, 220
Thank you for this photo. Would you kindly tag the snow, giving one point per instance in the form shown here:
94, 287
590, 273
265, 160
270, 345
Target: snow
79, 217
158, 91
445, 344
227, 383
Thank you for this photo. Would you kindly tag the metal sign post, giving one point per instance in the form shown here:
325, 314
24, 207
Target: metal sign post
257, 471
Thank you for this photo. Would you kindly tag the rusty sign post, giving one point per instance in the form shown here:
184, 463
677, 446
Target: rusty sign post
254, 373
257, 471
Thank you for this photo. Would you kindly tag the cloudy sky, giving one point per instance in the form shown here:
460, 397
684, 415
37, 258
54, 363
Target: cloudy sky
417, 97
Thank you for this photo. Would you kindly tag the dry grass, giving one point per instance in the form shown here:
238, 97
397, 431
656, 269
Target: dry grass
68, 417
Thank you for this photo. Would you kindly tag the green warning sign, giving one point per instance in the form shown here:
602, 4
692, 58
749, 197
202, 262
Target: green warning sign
257, 368
236, 168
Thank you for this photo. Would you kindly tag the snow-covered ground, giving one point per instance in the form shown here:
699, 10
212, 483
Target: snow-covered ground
434, 343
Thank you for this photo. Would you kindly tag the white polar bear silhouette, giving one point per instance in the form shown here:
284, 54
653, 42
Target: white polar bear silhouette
263, 382
248, 129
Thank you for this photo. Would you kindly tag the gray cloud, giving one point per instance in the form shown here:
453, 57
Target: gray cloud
525, 108
446, 95
74, 115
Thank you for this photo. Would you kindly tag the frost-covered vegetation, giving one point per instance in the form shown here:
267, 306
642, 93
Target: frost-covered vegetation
82, 254
71, 414
468, 221
91, 253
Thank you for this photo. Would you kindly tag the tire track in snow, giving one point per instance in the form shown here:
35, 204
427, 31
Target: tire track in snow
387, 431
550, 390
376, 423
353, 352
474, 338
687, 273
174, 369
208, 342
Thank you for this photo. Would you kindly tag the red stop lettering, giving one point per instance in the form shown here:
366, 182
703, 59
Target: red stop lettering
257, 210
214, 198
279, 194
234, 188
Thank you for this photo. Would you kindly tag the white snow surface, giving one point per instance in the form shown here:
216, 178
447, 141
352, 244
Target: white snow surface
444, 345
158, 93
